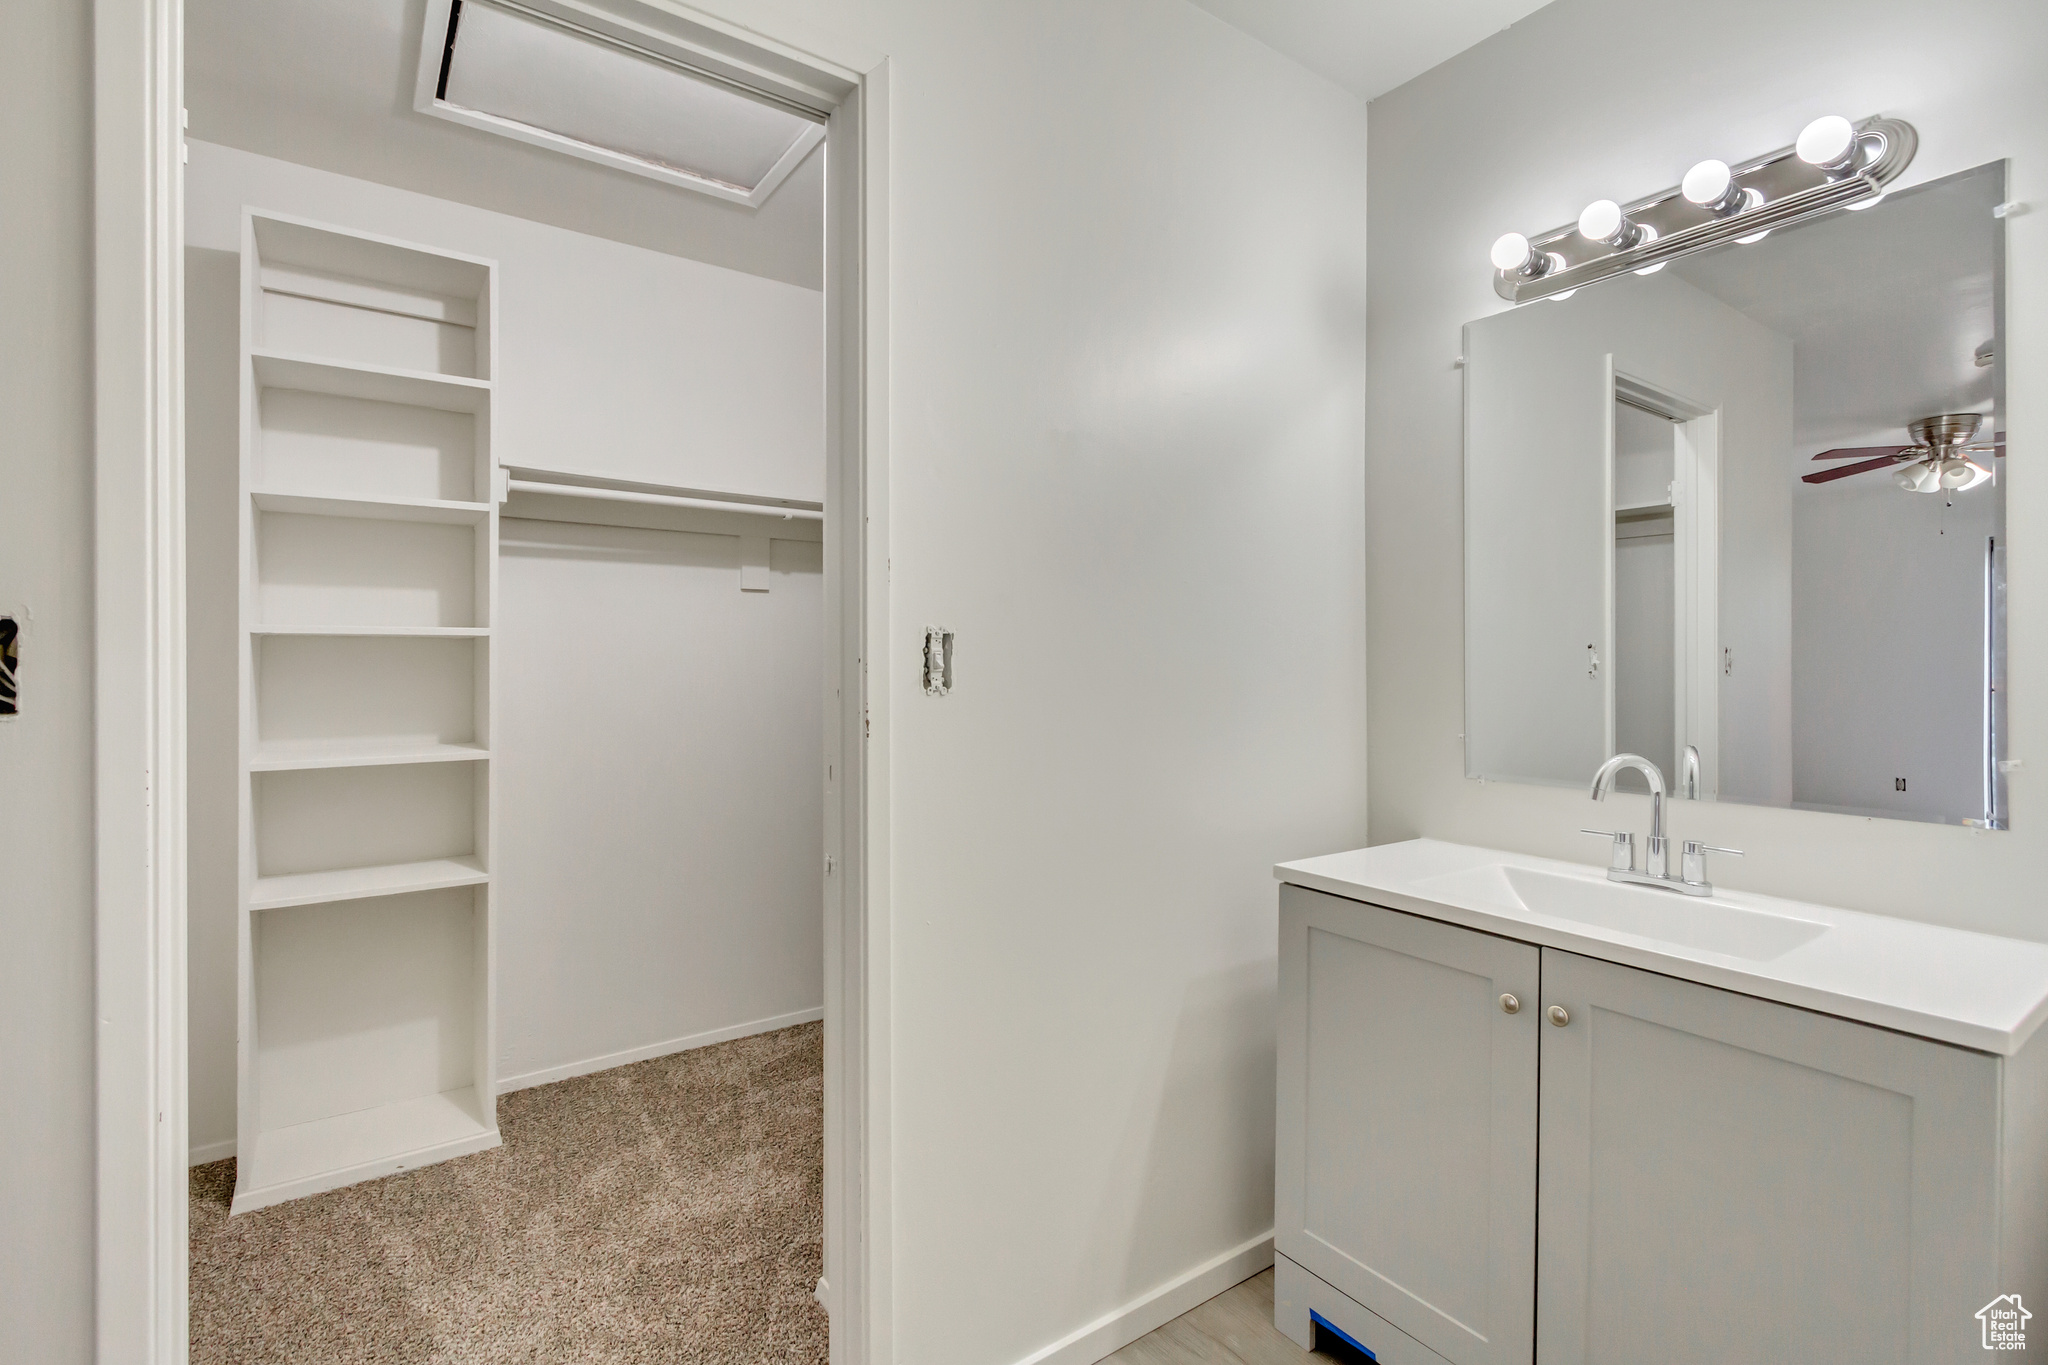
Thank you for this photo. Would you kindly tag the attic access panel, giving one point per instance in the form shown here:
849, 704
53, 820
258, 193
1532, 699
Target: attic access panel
522, 72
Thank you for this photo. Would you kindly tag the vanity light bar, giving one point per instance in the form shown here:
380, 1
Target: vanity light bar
1833, 165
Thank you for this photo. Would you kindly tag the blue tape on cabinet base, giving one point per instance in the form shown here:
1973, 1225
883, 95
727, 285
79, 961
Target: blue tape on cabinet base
1318, 1320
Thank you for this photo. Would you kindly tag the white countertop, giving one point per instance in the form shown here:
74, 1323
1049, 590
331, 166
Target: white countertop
1974, 990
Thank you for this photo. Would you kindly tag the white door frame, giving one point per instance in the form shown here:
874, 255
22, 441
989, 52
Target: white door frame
1696, 561
139, 672
1696, 572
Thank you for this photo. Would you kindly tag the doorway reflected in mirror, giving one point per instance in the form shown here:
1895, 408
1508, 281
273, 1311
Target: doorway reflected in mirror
1766, 487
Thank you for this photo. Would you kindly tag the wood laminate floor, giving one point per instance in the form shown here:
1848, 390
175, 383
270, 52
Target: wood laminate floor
1234, 1328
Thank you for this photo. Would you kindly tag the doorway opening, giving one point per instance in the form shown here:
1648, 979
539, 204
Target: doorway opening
313, 573
1663, 616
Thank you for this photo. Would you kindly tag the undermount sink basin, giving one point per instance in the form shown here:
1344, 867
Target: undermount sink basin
1704, 924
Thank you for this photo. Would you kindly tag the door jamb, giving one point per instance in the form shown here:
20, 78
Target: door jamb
138, 682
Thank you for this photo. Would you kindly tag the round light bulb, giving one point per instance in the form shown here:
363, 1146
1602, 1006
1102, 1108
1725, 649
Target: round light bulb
1561, 295
1708, 183
1753, 237
1869, 203
1828, 142
1602, 220
1653, 269
1511, 252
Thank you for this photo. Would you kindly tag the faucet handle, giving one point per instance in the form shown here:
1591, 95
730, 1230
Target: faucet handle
1693, 863
1622, 851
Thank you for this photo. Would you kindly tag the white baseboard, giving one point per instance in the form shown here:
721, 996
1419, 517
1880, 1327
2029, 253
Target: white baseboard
1117, 1329
212, 1151
221, 1151
507, 1084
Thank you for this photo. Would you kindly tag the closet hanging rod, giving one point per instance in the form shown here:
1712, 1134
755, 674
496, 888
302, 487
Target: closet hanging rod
563, 484
567, 490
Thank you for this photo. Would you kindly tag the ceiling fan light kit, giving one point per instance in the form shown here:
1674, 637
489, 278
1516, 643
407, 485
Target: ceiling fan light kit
1834, 164
1916, 478
1937, 462
1957, 473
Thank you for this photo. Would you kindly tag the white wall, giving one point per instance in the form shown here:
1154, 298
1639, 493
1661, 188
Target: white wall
1753, 73
616, 359
630, 661
661, 811
1126, 366
1876, 651
46, 817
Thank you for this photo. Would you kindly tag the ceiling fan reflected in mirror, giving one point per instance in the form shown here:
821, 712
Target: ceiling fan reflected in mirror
1939, 460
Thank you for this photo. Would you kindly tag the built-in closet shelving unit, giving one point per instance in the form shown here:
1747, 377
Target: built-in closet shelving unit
369, 527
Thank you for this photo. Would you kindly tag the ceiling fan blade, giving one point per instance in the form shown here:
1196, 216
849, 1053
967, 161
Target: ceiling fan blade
1864, 452
1827, 475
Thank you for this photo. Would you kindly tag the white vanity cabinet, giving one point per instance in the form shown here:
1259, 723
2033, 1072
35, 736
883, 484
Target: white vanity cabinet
1407, 1121
1628, 1167
1725, 1178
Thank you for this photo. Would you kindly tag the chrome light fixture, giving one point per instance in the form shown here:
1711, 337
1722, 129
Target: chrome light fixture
1834, 164
1604, 222
1828, 142
1711, 185
1512, 255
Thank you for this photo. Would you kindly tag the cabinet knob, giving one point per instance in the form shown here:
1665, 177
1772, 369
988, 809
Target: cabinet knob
1559, 1015
1510, 1005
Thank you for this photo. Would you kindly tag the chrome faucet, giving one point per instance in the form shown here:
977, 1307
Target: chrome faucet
1621, 861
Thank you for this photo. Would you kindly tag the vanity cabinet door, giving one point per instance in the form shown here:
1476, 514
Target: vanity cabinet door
1407, 1121
1727, 1179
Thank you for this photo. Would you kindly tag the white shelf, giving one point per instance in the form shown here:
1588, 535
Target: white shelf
326, 1154
366, 1032
290, 755
374, 509
444, 632
378, 383
356, 883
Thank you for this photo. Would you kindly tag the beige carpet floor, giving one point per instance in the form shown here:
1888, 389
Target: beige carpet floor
664, 1213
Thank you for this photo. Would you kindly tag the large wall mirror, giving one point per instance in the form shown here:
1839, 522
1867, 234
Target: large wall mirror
1745, 516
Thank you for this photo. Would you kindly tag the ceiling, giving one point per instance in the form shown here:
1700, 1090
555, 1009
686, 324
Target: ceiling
331, 85
1370, 46
1885, 309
